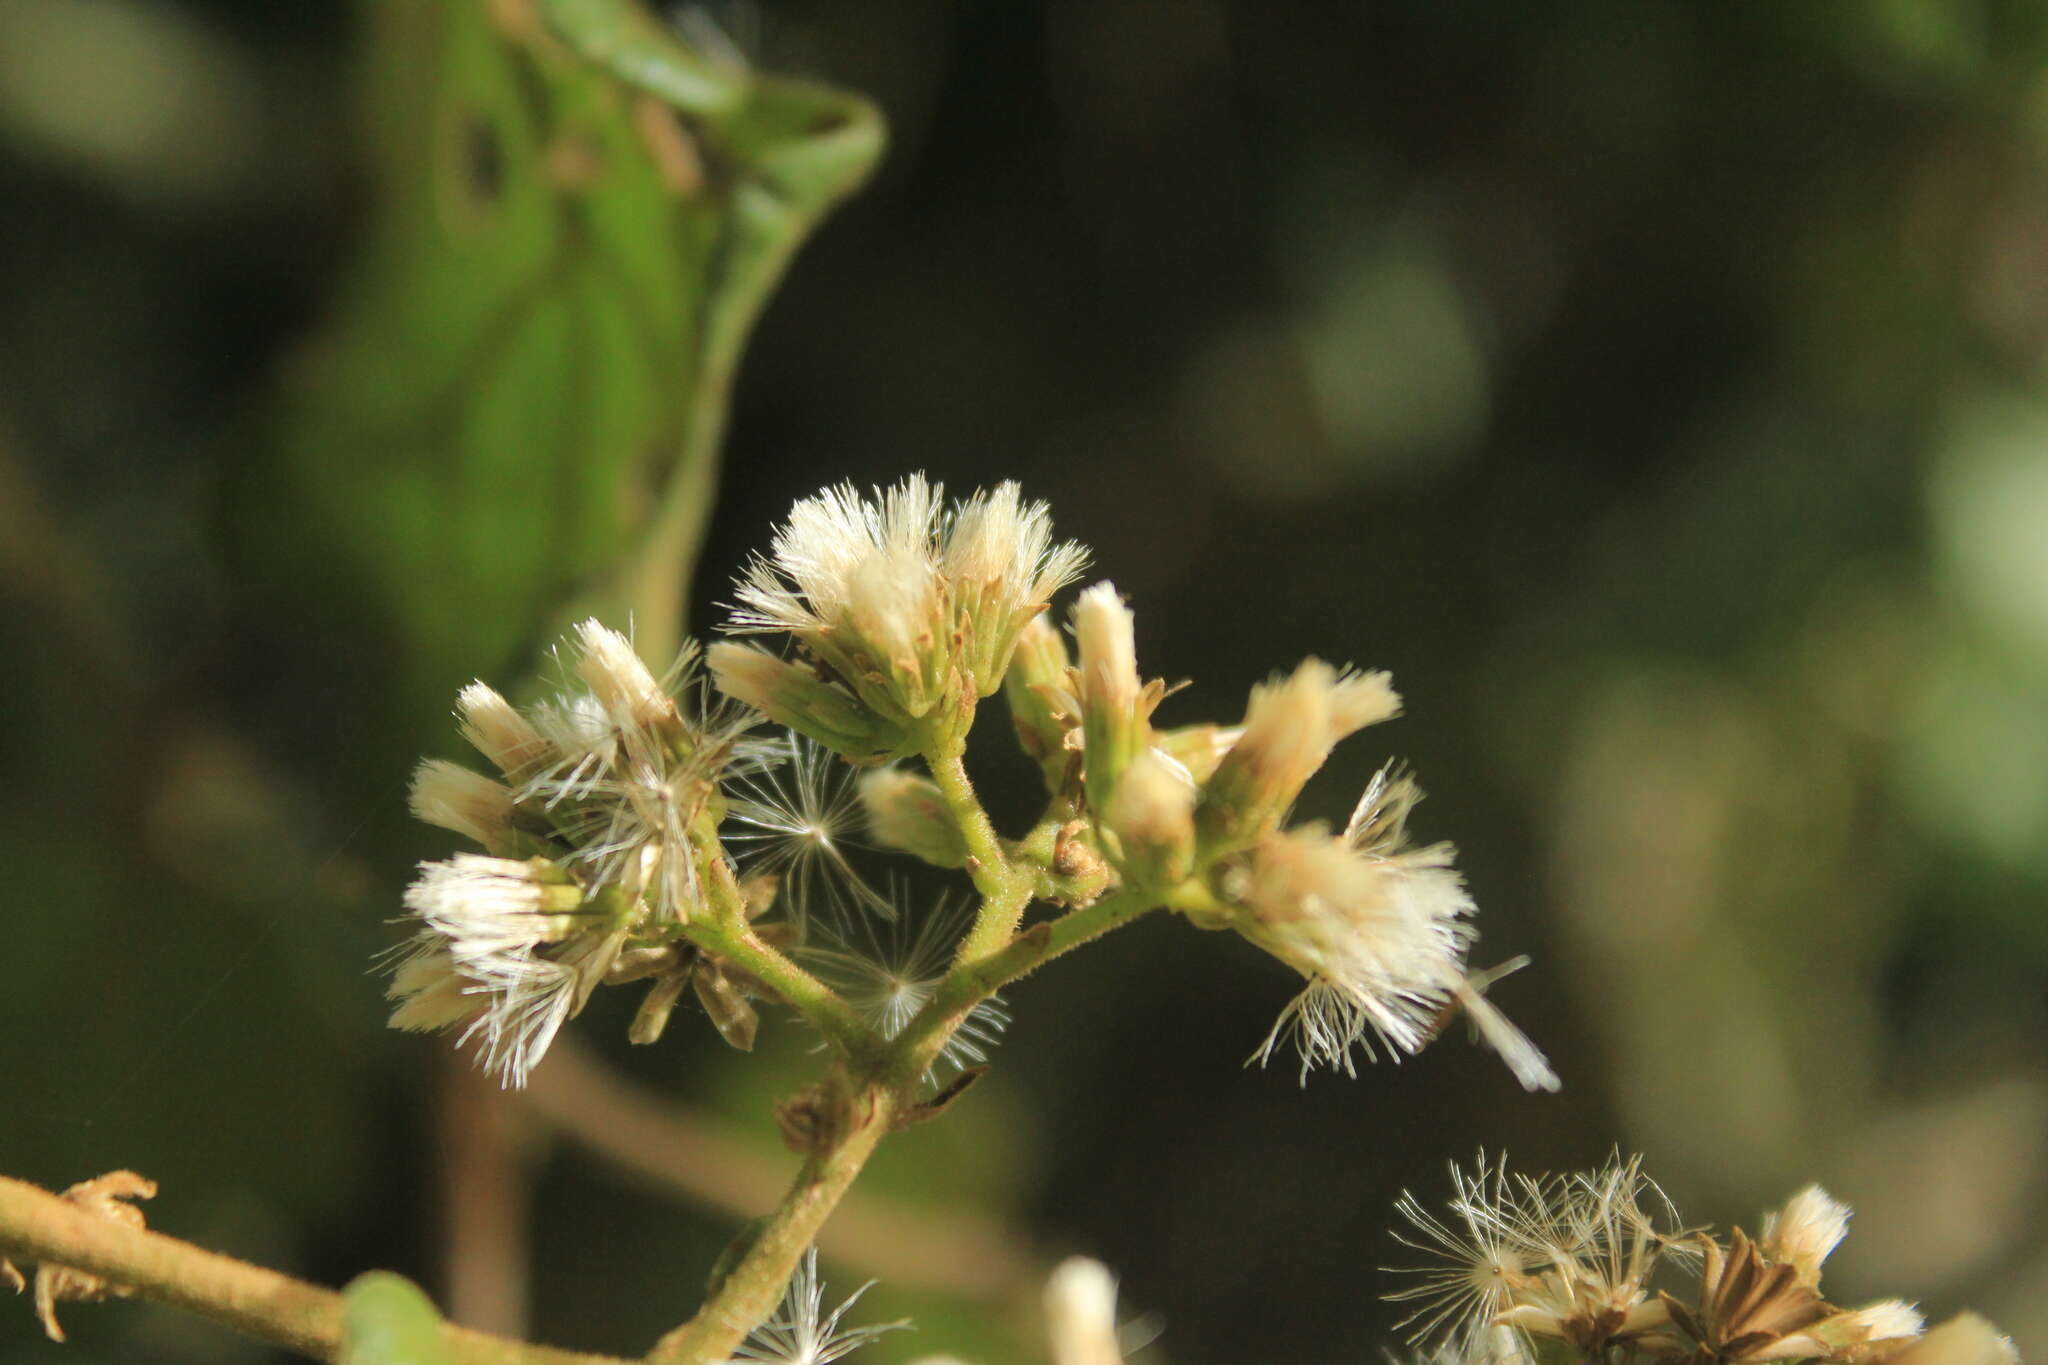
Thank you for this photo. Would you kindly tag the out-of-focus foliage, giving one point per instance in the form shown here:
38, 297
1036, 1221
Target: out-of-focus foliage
1657, 391
519, 398
388, 1321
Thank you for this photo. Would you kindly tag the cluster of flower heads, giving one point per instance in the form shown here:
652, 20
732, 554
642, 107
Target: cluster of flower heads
1592, 1267
906, 611
622, 800
628, 804
902, 612
1575, 1269
598, 835
611, 814
1378, 928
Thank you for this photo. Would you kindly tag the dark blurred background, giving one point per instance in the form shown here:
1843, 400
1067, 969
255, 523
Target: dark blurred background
1657, 390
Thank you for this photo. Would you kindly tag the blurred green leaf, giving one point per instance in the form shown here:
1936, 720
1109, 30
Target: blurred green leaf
516, 412
389, 1320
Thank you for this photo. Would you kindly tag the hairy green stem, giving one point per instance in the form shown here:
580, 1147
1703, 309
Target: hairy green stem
1005, 890
973, 980
987, 863
726, 933
856, 1121
1037, 846
1068, 932
38, 1226
996, 924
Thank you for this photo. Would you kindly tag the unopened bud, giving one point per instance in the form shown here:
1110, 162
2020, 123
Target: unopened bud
1289, 729
1038, 688
1885, 1320
791, 694
1080, 1314
908, 813
1964, 1339
494, 727
1151, 818
1801, 1234
622, 684
1113, 720
454, 798
1198, 748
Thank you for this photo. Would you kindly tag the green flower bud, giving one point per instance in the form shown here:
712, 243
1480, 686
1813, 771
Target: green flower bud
1151, 821
907, 812
792, 694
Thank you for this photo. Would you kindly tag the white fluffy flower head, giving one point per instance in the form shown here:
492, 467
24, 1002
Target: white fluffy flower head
1381, 941
600, 828
1803, 1233
905, 607
1381, 930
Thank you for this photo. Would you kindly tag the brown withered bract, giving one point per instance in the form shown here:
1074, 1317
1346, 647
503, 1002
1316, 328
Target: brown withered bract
105, 1196
817, 1117
805, 1120
942, 1101
723, 989
1750, 1309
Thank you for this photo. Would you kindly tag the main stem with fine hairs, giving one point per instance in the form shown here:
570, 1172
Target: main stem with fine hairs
38, 1226
1005, 889
856, 1121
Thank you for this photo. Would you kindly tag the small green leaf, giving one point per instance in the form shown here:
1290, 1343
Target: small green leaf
389, 1320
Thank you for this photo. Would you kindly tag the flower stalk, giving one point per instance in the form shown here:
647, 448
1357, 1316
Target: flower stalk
729, 934
1005, 890
858, 1120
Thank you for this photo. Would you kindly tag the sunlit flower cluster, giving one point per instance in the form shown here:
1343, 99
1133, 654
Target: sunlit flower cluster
598, 835
1596, 1266
905, 611
1379, 930
623, 803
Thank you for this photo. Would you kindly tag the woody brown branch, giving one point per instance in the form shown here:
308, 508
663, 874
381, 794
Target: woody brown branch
37, 1226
